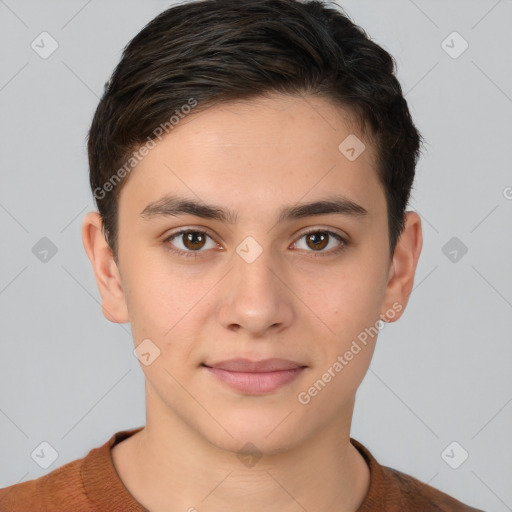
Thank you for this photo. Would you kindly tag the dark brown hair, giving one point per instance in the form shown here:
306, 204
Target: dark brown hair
204, 52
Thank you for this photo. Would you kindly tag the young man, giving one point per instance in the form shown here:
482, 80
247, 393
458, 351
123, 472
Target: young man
252, 162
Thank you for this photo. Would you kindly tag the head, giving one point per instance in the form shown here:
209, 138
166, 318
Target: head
241, 112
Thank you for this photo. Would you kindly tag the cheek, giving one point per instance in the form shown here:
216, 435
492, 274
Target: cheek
163, 308
161, 293
350, 307
349, 299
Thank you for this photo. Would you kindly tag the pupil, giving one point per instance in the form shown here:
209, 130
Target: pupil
318, 243
192, 239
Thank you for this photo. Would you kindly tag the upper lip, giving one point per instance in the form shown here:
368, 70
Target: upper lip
264, 365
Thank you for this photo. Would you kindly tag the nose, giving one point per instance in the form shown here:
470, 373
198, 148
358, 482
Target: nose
256, 298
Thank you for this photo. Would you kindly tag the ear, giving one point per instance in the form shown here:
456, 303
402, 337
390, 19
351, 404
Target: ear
105, 269
403, 268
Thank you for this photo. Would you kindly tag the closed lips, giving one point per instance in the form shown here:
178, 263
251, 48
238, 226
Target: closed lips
248, 366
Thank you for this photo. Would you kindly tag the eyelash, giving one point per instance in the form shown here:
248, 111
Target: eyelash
195, 254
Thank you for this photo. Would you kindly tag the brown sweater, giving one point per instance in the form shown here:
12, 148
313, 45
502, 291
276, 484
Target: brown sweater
91, 484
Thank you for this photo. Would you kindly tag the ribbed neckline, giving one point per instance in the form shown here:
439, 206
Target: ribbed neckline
374, 499
105, 489
101, 481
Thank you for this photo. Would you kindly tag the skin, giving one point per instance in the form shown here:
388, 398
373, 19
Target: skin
253, 157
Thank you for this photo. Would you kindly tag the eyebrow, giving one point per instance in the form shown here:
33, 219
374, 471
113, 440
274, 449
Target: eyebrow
172, 206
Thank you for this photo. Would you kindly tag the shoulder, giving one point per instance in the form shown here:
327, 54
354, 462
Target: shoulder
393, 491
88, 484
61, 486
417, 495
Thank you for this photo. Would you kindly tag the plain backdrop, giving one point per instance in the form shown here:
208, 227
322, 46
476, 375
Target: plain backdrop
439, 387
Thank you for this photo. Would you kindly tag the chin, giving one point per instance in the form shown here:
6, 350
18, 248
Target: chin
266, 431
256, 443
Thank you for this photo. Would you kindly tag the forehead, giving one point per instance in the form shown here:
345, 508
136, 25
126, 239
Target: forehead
258, 152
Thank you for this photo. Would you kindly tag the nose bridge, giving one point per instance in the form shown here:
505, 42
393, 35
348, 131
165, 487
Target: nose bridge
256, 298
254, 265
254, 269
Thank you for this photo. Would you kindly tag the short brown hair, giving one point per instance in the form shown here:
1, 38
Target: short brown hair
209, 51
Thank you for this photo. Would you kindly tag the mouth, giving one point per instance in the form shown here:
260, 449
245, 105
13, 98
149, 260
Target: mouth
255, 377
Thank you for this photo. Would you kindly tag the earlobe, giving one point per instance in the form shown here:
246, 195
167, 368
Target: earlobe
403, 268
107, 275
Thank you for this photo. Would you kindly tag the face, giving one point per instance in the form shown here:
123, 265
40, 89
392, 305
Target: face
254, 273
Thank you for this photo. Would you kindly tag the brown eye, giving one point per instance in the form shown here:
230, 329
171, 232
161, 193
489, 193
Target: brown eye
317, 240
188, 242
193, 240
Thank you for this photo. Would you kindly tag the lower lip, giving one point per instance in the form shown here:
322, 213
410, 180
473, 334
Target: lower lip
254, 383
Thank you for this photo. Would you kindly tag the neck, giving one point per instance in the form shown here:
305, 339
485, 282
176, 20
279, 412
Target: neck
168, 467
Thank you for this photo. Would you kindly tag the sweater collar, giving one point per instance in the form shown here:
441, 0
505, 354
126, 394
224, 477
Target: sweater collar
101, 480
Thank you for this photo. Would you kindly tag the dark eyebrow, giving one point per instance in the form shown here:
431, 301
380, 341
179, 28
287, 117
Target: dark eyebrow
171, 206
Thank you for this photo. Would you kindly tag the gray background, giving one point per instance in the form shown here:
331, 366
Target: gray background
441, 374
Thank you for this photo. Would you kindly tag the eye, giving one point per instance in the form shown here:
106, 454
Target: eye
189, 241
318, 240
